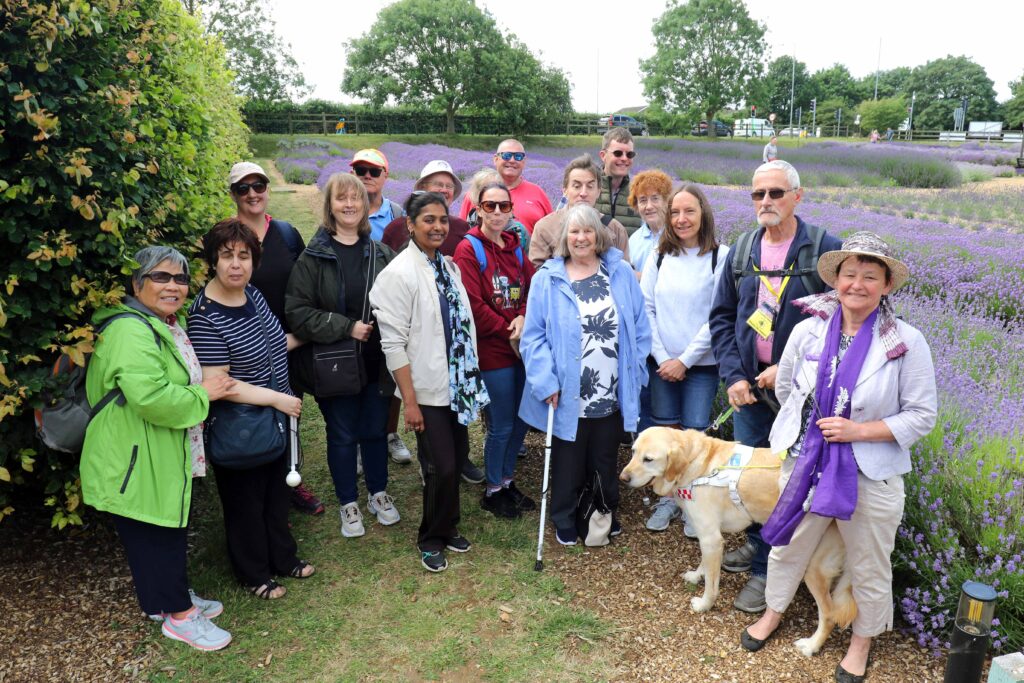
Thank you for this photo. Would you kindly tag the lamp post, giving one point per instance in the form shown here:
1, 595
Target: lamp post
969, 641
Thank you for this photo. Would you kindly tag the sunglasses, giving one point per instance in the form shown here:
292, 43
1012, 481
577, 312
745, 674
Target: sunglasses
162, 277
489, 206
242, 189
618, 154
508, 156
774, 193
374, 171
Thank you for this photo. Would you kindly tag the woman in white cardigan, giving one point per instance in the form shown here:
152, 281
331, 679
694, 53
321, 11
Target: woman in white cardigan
429, 342
857, 390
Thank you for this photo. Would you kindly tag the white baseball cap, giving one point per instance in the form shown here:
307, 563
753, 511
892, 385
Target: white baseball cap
244, 168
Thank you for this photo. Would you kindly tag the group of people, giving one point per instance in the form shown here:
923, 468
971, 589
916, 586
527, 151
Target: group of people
623, 311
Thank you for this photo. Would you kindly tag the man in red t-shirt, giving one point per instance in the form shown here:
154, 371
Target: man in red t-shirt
531, 202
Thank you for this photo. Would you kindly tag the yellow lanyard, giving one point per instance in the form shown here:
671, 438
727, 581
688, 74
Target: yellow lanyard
768, 285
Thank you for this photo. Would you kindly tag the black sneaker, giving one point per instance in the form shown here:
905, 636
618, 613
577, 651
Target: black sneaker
500, 504
458, 544
522, 501
616, 528
566, 536
471, 474
433, 561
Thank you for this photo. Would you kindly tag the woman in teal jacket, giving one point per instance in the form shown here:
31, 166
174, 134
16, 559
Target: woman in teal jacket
585, 345
143, 448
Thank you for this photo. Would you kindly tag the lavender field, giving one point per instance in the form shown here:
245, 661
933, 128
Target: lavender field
965, 249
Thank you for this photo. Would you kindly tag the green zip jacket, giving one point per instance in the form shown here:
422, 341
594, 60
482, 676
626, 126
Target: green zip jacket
136, 461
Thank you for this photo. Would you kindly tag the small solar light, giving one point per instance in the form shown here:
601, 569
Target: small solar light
969, 642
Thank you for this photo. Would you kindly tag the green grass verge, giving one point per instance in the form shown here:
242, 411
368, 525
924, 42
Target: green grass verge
265, 144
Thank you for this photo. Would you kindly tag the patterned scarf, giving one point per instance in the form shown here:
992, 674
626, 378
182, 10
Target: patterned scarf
824, 305
824, 480
466, 390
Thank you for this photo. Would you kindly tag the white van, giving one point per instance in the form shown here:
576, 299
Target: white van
752, 128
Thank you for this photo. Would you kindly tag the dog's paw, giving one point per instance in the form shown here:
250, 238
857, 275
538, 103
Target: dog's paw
807, 647
693, 577
701, 604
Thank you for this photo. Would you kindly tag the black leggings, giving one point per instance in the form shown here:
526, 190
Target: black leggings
157, 558
442, 448
573, 464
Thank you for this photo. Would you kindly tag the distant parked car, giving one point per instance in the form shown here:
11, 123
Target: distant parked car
722, 130
622, 121
791, 132
751, 128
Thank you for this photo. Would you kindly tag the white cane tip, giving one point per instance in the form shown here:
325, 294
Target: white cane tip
293, 479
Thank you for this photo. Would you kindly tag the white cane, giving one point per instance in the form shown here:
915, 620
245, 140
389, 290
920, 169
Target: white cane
294, 478
539, 565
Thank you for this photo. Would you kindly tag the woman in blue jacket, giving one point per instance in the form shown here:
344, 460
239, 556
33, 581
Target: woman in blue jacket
584, 345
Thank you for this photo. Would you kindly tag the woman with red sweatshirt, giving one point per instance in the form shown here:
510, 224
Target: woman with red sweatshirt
497, 276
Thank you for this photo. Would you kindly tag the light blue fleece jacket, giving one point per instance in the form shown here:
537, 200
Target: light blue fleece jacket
551, 343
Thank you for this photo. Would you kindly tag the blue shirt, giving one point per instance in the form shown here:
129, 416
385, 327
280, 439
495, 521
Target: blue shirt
380, 220
641, 244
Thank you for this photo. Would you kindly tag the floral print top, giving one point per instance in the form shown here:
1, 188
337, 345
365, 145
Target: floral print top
195, 373
599, 355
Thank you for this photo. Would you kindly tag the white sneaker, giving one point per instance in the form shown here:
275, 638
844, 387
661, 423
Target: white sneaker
398, 450
383, 505
208, 608
351, 521
197, 631
359, 461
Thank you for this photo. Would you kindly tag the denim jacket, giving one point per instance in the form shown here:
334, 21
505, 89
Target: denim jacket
552, 338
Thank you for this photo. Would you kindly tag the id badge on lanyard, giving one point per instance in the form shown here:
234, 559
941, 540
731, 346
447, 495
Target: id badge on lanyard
762, 320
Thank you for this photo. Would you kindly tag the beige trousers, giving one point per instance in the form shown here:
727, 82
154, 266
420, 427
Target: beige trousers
869, 535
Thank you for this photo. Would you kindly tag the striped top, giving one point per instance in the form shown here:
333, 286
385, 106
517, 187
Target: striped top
233, 336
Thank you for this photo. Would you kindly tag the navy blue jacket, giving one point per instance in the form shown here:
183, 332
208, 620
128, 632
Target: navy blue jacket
733, 340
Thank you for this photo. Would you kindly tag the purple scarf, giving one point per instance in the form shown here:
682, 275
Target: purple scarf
824, 480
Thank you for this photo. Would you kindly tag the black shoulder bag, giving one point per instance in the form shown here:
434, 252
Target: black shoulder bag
241, 436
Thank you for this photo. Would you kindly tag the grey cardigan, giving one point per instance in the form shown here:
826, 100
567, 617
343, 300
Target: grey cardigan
901, 392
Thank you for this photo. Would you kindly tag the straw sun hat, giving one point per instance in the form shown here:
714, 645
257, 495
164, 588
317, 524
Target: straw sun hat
862, 244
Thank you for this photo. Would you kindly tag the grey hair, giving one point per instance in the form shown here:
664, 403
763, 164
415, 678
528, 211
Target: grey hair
792, 177
583, 216
149, 258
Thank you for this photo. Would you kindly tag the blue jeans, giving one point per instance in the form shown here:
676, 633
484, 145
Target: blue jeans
646, 420
359, 419
751, 426
687, 403
505, 431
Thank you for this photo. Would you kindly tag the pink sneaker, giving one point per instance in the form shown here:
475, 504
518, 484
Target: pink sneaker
197, 631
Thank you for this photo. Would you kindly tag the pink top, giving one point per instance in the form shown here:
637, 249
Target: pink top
529, 200
773, 257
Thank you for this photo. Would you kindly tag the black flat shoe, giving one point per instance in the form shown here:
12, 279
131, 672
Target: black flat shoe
752, 644
844, 676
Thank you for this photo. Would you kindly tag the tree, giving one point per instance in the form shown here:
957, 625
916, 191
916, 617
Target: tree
1013, 110
836, 83
891, 83
263, 64
777, 86
708, 52
443, 55
883, 113
525, 94
942, 83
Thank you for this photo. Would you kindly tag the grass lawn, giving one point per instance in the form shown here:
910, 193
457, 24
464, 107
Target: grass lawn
371, 612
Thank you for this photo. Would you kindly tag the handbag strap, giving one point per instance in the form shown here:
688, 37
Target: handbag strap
266, 342
370, 272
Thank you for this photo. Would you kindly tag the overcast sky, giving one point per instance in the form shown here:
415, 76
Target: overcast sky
598, 43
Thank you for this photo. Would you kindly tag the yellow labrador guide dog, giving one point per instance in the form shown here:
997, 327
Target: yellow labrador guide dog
724, 487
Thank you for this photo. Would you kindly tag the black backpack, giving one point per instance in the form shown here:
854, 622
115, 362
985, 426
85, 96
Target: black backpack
806, 260
62, 422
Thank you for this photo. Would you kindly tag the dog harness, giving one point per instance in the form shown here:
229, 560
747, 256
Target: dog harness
726, 476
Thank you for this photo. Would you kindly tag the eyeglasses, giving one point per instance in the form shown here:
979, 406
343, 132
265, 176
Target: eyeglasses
242, 189
508, 156
774, 193
617, 153
489, 206
440, 187
162, 277
374, 171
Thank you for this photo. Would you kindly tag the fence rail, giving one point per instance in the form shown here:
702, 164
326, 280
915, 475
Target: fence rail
398, 124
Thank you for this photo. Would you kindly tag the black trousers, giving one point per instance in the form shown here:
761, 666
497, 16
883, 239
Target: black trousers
159, 565
255, 503
574, 463
442, 449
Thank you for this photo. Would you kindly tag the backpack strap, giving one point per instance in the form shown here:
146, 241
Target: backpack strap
290, 236
661, 257
714, 259
478, 250
116, 394
807, 261
606, 220
519, 254
396, 210
744, 245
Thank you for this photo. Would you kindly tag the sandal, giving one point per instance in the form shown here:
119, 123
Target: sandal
299, 570
267, 590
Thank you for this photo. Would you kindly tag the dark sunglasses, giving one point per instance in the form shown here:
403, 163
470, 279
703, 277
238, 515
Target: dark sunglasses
507, 156
162, 277
489, 206
242, 189
618, 153
374, 171
774, 193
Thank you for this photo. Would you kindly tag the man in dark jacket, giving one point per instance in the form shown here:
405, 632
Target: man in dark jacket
751, 319
617, 156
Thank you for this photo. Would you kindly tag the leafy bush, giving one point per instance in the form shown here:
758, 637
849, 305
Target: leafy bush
117, 127
918, 172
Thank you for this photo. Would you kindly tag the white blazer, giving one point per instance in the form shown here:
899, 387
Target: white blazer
900, 392
405, 302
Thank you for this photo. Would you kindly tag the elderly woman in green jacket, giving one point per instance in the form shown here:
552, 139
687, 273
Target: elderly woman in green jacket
144, 445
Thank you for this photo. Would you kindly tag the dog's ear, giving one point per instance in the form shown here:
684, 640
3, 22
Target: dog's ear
676, 458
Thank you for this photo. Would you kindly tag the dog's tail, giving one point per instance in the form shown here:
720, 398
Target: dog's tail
843, 608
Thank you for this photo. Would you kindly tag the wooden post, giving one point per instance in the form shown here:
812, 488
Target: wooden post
291, 125
323, 120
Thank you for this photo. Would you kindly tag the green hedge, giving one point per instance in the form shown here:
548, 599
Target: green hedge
117, 127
